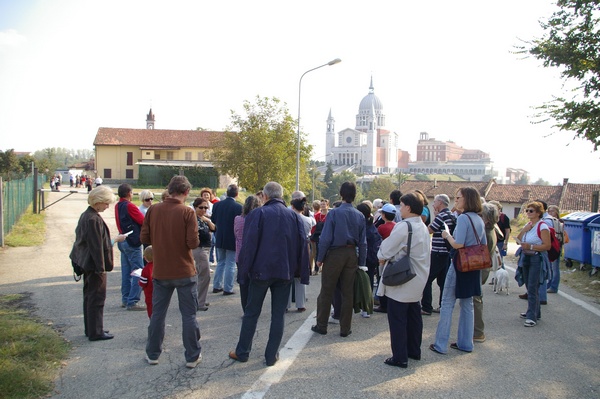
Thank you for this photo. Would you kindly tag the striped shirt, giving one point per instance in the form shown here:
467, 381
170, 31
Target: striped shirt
438, 244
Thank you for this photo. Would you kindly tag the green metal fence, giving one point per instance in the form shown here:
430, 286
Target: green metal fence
16, 197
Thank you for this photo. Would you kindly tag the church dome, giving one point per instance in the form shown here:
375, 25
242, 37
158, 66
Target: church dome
370, 101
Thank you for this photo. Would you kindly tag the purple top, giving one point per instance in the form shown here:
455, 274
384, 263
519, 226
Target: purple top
238, 232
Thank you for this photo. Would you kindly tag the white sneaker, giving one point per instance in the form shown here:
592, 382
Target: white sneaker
333, 321
151, 362
364, 314
191, 365
529, 323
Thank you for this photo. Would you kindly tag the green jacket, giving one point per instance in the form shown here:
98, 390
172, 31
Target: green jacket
363, 294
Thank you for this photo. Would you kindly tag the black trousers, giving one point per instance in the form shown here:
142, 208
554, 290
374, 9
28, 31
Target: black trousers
437, 270
406, 329
94, 295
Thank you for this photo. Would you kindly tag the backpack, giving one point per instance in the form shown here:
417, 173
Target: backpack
554, 251
314, 237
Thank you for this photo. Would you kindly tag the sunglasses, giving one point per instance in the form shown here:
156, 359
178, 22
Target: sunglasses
149, 199
202, 207
457, 198
530, 210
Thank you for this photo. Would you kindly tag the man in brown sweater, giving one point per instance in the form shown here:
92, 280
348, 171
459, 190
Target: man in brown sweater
171, 228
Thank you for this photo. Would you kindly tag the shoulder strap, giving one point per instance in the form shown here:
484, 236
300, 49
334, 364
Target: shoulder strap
409, 238
474, 232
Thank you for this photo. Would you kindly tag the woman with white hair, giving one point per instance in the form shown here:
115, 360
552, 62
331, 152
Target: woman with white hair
146, 196
93, 252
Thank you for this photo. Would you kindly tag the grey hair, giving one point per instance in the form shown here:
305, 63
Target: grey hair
443, 198
101, 195
490, 214
273, 190
145, 194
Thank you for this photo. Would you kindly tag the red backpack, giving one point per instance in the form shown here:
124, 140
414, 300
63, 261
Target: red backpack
554, 251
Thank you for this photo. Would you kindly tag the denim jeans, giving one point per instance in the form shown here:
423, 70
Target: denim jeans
465, 319
257, 290
187, 294
224, 276
531, 276
131, 259
555, 281
300, 298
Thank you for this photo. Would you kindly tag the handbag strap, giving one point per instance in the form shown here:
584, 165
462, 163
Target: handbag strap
474, 232
409, 238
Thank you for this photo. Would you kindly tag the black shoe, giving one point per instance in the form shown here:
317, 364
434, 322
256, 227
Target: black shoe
524, 296
318, 330
414, 357
379, 309
272, 362
102, 337
543, 302
217, 290
105, 332
391, 362
344, 335
228, 293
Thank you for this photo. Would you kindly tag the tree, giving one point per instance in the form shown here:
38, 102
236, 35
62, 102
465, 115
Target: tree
523, 180
9, 164
571, 42
542, 182
381, 187
261, 146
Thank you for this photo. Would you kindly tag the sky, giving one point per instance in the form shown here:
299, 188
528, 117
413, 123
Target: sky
68, 67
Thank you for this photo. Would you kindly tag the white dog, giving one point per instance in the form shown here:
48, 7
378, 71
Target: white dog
501, 281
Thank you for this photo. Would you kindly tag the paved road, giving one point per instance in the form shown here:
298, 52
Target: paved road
559, 358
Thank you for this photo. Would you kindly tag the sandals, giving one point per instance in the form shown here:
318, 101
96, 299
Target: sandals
391, 362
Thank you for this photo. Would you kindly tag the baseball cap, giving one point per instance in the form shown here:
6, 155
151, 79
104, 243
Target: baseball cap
389, 208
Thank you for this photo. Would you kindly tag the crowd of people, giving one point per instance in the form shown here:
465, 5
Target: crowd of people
270, 246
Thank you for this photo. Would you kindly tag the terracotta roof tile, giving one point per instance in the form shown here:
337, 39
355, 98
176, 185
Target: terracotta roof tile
578, 197
155, 137
432, 188
517, 194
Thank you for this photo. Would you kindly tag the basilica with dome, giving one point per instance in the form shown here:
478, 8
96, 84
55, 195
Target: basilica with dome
370, 147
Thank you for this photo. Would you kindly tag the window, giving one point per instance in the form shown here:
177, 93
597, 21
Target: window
108, 173
129, 173
169, 155
129, 158
188, 155
200, 156
156, 155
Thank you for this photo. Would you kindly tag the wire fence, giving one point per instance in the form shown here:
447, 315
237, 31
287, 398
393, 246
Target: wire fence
15, 198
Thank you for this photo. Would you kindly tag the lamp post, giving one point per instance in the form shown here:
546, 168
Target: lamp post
332, 62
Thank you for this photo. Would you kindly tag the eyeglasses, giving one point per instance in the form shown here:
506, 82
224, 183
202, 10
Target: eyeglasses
202, 207
149, 199
530, 210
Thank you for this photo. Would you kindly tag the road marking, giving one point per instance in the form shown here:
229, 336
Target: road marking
576, 301
287, 355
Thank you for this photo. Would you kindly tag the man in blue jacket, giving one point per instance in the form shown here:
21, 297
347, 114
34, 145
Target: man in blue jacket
223, 214
274, 251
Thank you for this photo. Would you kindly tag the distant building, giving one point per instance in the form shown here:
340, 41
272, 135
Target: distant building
369, 147
153, 156
446, 157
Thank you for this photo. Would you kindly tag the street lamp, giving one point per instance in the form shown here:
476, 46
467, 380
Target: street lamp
332, 62
313, 175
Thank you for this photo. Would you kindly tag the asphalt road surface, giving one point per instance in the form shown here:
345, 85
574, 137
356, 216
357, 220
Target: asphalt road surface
559, 358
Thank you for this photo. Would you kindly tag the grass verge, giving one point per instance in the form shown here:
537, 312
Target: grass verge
30, 352
30, 230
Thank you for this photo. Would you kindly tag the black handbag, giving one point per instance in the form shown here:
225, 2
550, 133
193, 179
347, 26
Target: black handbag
399, 272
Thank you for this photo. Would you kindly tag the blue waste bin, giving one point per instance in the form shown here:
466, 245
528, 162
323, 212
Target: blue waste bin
577, 227
595, 243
